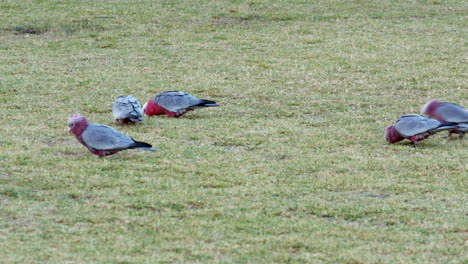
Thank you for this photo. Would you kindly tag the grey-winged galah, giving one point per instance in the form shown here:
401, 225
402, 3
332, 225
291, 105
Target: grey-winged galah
448, 112
174, 104
102, 140
127, 109
415, 128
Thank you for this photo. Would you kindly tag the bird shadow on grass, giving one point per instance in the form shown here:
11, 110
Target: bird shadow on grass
420, 145
68, 153
121, 156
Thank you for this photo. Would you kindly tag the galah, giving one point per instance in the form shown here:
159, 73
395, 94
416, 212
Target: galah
448, 112
174, 104
102, 140
415, 128
127, 109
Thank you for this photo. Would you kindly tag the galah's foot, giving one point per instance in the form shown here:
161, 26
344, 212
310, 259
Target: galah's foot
460, 135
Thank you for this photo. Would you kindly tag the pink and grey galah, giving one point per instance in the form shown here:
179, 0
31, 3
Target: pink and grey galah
127, 109
174, 104
415, 128
102, 140
448, 112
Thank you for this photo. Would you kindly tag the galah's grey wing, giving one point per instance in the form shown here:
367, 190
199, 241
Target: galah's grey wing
410, 125
176, 101
136, 113
452, 113
102, 137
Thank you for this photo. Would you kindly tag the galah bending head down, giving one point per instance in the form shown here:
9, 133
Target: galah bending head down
127, 109
415, 128
448, 112
102, 140
174, 104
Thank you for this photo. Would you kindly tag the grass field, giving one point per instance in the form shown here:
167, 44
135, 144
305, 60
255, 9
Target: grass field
291, 168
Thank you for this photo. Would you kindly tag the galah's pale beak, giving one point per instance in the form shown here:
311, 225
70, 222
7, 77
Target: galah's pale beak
144, 107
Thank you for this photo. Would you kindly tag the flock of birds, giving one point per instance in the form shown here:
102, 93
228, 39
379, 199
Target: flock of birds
103, 140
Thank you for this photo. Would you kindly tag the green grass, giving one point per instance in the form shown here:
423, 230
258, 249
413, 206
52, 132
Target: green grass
292, 168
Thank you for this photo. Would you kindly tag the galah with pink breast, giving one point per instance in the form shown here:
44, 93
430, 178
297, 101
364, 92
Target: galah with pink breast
102, 140
175, 104
448, 112
415, 128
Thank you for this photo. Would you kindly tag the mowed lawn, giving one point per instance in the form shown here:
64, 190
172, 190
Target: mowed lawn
291, 168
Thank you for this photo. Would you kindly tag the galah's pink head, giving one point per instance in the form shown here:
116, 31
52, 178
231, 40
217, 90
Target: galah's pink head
151, 108
77, 124
392, 135
430, 108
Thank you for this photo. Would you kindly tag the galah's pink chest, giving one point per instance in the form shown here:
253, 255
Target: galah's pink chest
78, 130
155, 109
80, 139
419, 137
102, 153
159, 110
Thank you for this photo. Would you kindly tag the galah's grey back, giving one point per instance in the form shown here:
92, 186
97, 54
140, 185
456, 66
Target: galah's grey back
102, 137
410, 125
127, 107
178, 102
452, 113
